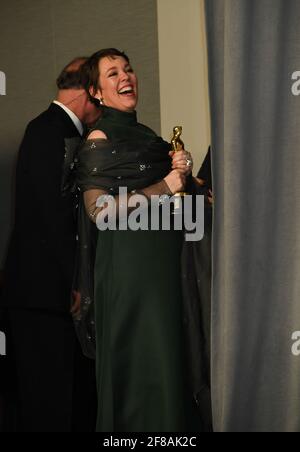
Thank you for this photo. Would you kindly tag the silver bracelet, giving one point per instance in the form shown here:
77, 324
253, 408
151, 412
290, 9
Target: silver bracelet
93, 214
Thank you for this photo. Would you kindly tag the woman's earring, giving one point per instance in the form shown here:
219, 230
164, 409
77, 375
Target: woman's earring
101, 101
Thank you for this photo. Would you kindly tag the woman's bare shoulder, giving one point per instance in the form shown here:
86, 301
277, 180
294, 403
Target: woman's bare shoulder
95, 134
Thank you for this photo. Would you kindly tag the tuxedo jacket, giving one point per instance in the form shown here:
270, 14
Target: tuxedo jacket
41, 255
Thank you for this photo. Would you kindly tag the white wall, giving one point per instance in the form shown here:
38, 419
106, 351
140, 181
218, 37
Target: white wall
183, 73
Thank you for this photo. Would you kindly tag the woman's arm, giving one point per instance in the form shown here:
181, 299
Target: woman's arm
172, 183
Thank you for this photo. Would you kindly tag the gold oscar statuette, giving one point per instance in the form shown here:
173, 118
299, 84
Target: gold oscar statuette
177, 145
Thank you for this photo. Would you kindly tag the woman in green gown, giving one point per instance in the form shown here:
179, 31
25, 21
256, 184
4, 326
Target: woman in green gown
140, 351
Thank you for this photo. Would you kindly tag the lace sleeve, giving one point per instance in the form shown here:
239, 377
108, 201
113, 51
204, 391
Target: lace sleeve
90, 200
91, 196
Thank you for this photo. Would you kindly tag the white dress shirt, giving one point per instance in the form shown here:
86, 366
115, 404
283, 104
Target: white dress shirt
74, 118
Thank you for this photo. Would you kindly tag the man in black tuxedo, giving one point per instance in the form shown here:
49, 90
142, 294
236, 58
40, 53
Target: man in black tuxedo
55, 382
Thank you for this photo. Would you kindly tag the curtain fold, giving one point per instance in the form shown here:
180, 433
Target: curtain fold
254, 49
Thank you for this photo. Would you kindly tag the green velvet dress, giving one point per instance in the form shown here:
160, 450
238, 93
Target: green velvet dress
141, 370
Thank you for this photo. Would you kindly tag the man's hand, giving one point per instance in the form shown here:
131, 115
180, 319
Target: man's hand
75, 308
199, 181
202, 183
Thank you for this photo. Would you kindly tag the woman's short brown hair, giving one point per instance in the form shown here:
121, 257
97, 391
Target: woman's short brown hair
90, 69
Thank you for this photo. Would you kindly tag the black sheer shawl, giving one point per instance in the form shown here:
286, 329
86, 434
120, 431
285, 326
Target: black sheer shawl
106, 165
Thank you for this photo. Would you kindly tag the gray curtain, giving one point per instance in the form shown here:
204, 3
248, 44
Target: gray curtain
254, 50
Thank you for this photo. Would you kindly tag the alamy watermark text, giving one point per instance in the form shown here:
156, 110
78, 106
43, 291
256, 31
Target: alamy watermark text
2, 84
137, 212
2, 344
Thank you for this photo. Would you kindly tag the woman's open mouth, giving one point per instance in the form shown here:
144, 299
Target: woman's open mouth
127, 91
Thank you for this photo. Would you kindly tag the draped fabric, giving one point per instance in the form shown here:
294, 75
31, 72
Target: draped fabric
254, 56
104, 164
101, 164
